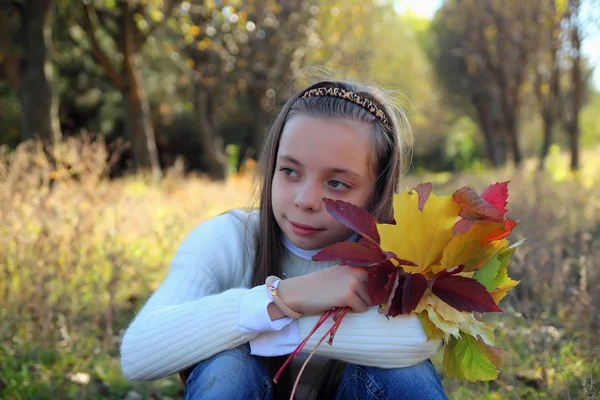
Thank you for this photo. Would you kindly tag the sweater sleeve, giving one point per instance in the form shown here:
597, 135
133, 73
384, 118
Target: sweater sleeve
370, 339
194, 314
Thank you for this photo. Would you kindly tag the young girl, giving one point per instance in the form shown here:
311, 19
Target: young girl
221, 316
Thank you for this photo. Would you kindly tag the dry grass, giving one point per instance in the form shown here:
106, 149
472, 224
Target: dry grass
79, 254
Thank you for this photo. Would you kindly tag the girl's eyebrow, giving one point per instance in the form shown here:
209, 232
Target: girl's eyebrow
333, 171
330, 171
291, 159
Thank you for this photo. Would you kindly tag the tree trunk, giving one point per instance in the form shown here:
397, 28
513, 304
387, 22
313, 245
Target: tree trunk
548, 121
485, 121
513, 137
574, 143
38, 99
211, 143
9, 68
573, 125
138, 121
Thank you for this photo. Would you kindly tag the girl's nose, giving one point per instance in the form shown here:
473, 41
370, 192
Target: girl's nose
308, 197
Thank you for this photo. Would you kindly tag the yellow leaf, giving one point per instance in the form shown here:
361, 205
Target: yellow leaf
470, 248
419, 236
432, 331
501, 291
476, 328
451, 321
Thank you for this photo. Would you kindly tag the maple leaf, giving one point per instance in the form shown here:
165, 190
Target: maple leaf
487, 274
474, 207
479, 329
423, 191
451, 321
493, 275
489, 206
431, 330
497, 195
419, 236
443, 258
473, 248
502, 282
469, 358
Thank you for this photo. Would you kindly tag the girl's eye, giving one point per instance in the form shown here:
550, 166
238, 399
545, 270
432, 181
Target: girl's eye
338, 185
288, 172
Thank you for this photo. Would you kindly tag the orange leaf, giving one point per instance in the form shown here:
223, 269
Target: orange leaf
474, 248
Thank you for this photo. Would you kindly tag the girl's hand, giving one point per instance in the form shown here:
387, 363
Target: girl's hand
320, 291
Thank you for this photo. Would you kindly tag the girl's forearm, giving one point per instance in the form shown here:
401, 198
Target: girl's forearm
372, 340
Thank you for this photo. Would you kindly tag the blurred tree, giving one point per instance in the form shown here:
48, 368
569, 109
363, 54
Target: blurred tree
383, 47
495, 43
582, 19
467, 89
238, 54
32, 36
546, 68
126, 25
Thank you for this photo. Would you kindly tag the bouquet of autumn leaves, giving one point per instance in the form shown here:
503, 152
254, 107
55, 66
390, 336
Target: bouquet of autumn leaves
443, 258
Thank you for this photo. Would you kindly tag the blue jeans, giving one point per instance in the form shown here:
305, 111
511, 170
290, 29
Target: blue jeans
236, 374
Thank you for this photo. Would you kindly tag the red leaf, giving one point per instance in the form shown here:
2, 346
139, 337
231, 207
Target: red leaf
368, 243
356, 218
464, 294
392, 256
503, 231
414, 287
423, 190
352, 254
474, 207
497, 195
462, 226
394, 303
449, 272
379, 282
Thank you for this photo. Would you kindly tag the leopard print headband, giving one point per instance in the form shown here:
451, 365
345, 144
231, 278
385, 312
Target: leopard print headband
353, 97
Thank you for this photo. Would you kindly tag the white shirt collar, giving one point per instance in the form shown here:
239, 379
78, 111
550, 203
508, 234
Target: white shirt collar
308, 254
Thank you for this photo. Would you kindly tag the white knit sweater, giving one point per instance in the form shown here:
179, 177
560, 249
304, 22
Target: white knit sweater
194, 314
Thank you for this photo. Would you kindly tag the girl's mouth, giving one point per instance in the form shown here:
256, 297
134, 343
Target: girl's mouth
304, 230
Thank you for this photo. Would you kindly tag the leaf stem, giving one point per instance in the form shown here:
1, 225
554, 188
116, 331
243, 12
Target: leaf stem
298, 349
338, 317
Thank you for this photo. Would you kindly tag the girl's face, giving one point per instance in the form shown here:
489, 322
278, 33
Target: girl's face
319, 158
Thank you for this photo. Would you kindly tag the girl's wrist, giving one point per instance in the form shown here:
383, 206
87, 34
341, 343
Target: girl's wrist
274, 312
286, 294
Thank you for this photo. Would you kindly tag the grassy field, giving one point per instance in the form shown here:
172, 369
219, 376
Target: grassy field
80, 254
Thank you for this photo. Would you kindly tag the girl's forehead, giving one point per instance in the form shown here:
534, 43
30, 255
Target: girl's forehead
327, 143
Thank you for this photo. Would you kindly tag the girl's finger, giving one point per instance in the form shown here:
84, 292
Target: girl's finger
357, 304
363, 293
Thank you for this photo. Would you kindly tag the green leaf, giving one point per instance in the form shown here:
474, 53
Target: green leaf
470, 359
487, 274
502, 274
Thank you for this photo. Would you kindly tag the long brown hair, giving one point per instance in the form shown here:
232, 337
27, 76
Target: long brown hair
388, 149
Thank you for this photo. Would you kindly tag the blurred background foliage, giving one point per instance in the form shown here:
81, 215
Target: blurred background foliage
161, 106
484, 82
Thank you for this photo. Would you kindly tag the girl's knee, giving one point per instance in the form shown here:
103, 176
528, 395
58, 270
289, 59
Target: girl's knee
231, 374
420, 381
